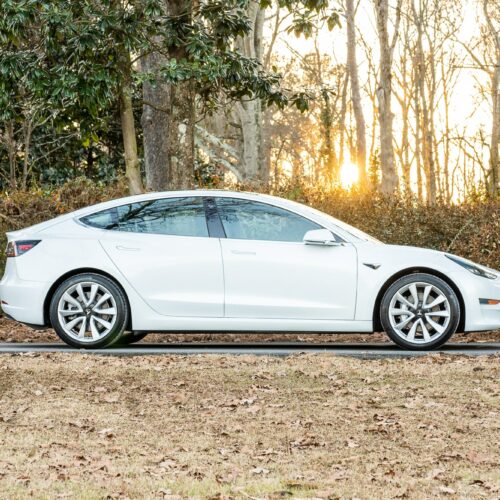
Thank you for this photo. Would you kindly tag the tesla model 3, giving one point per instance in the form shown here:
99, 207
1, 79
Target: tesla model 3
231, 261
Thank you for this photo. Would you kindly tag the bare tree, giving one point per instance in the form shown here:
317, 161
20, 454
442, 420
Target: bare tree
370, 89
239, 125
389, 182
494, 73
132, 169
485, 55
352, 68
249, 113
403, 74
425, 121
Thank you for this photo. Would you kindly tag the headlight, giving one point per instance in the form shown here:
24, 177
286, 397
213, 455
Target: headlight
476, 269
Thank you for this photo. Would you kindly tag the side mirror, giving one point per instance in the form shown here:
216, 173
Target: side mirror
321, 237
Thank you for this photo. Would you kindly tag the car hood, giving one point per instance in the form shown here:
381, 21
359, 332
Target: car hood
399, 257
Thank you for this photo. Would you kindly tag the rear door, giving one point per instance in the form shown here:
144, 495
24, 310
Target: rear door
270, 273
163, 249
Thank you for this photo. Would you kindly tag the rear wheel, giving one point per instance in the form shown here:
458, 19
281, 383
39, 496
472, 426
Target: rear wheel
420, 311
89, 311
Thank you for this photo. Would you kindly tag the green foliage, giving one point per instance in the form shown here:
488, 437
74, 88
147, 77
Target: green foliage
62, 64
64, 56
67, 55
59, 76
309, 14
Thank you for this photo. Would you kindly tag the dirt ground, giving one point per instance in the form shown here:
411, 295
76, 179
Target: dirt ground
11, 331
80, 426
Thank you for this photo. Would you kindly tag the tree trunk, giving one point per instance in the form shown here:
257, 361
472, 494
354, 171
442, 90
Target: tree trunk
132, 169
154, 121
495, 130
416, 99
446, 154
427, 142
332, 170
384, 93
168, 119
180, 140
250, 113
405, 145
494, 35
11, 152
28, 130
341, 126
355, 93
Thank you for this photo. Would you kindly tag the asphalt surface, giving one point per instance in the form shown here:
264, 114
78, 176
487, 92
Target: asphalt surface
365, 351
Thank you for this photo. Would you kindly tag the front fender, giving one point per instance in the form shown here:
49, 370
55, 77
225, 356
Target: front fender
379, 265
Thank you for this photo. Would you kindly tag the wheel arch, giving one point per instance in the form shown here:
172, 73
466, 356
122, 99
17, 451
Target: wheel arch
74, 272
377, 322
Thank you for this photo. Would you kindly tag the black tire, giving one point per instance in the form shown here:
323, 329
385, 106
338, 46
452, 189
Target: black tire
130, 338
122, 311
436, 338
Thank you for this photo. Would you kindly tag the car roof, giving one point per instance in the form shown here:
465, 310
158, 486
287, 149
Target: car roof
186, 193
274, 200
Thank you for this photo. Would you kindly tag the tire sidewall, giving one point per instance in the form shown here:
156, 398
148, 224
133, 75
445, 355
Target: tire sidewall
432, 280
121, 305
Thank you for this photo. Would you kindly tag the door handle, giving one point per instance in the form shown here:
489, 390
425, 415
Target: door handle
127, 249
243, 252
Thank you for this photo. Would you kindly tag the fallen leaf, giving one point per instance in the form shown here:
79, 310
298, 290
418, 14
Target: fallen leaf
108, 433
477, 458
253, 409
434, 473
446, 490
260, 471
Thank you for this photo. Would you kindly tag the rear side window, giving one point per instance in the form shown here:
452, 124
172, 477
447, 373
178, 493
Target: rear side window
251, 220
172, 216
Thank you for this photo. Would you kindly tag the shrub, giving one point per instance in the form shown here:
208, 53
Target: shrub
21, 209
469, 229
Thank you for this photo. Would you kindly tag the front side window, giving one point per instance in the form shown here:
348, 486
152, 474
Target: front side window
251, 220
172, 216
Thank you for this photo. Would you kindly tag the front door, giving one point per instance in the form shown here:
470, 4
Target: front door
270, 273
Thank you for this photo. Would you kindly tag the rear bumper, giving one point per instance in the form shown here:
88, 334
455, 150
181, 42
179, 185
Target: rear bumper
30, 325
23, 300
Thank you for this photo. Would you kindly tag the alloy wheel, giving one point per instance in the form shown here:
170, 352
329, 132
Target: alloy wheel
87, 311
419, 312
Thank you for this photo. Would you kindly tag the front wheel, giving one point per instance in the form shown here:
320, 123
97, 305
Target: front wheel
420, 311
89, 311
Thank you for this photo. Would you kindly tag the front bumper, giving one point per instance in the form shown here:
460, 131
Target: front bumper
478, 317
22, 300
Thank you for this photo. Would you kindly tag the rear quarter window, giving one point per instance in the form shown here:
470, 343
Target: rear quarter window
169, 216
102, 220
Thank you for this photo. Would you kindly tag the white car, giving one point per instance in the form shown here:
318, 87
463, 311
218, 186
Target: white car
230, 261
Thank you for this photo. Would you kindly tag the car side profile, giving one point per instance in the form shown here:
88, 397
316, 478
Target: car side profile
210, 260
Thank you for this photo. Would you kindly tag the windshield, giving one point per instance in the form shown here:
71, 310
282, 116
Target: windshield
353, 231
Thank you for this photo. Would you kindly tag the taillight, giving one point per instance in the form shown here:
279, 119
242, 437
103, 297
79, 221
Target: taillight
16, 248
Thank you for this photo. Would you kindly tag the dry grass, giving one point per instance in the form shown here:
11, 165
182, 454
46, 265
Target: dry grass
220, 426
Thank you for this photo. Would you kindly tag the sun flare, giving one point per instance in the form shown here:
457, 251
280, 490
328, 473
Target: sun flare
349, 174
